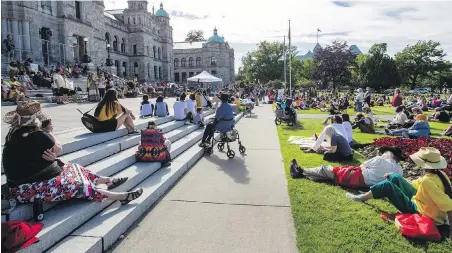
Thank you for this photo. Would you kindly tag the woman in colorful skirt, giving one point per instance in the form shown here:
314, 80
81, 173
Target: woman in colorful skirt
34, 172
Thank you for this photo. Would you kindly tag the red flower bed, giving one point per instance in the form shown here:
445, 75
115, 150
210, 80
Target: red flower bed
411, 146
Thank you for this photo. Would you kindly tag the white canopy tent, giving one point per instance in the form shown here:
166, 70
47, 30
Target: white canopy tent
204, 77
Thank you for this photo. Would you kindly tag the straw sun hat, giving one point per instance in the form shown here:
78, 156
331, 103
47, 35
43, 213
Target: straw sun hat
429, 159
25, 114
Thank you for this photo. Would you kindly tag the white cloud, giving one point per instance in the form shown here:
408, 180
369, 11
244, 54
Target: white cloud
246, 22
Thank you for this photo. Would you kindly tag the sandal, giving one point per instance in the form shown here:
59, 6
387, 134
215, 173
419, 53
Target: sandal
117, 182
132, 196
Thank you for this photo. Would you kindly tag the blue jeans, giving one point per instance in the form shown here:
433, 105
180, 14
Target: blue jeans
398, 191
359, 106
401, 132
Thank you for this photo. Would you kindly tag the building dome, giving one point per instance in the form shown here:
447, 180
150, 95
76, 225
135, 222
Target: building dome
161, 12
215, 37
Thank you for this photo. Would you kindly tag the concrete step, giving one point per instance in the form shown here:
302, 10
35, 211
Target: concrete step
107, 161
61, 220
115, 220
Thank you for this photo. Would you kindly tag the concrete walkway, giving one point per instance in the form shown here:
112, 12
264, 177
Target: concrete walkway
222, 205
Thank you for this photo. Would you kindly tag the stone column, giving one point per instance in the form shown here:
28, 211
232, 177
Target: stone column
26, 38
4, 30
16, 38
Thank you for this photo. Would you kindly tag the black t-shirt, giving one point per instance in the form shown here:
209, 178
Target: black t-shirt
22, 158
443, 117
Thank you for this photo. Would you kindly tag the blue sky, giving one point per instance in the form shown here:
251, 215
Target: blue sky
244, 23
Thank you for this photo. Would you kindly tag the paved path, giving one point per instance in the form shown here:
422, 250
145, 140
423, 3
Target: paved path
66, 117
222, 205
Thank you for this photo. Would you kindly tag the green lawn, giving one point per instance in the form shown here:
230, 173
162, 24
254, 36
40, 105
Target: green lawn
325, 221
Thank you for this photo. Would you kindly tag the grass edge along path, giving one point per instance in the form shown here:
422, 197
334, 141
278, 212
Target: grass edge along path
325, 221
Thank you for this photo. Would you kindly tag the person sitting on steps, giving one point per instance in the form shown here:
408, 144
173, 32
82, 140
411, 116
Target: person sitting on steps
224, 121
146, 108
154, 147
43, 176
161, 107
112, 115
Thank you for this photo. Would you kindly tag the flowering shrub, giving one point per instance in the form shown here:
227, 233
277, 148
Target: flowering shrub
411, 146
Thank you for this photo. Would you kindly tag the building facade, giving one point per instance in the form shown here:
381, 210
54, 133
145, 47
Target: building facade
214, 55
50, 32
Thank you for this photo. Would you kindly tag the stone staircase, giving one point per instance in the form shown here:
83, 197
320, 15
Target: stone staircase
78, 226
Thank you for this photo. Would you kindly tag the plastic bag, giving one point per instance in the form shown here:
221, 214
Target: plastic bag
417, 226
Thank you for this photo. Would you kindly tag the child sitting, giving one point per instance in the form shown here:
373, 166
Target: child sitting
146, 108
199, 119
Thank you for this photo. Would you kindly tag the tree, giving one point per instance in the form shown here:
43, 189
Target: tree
195, 35
419, 61
379, 71
332, 64
358, 78
266, 63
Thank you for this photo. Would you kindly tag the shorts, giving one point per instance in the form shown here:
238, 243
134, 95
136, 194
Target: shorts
64, 91
108, 125
56, 92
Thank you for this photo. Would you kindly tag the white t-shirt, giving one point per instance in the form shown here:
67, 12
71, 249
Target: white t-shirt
340, 130
191, 104
375, 169
58, 81
179, 110
348, 130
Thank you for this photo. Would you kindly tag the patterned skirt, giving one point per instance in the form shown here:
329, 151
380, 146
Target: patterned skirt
74, 182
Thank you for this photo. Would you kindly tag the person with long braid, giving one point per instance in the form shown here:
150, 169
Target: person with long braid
429, 195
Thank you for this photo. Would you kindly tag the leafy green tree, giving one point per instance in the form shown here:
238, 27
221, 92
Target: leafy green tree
266, 63
419, 61
195, 36
358, 79
332, 64
379, 71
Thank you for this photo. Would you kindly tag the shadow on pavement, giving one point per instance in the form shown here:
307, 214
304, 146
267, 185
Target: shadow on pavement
235, 168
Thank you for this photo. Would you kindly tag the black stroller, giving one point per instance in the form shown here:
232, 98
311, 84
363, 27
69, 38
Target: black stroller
287, 114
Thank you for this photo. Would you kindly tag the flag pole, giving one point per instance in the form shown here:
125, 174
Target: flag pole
284, 58
317, 35
290, 65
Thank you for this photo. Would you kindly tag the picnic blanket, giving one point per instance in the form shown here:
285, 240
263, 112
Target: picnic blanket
304, 142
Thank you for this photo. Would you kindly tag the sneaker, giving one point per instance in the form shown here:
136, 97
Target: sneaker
134, 132
354, 197
388, 132
202, 144
309, 151
187, 123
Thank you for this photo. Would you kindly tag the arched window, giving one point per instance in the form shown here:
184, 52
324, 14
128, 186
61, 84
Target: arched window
153, 49
213, 61
176, 62
139, 19
190, 62
183, 62
115, 44
147, 50
128, 20
198, 61
149, 69
107, 39
160, 54
123, 45
134, 21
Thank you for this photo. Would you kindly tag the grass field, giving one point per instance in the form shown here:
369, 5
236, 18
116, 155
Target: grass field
377, 110
325, 221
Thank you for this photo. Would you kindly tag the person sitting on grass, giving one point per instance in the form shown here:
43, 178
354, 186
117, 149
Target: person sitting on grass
420, 128
367, 174
364, 123
380, 101
411, 116
429, 195
224, 121
146, 108
41, 175
448, 131
440, 116
337, 123
399, 120
339, 149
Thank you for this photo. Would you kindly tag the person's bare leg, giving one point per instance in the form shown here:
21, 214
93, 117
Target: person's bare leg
129, 123
113, 195
120, 121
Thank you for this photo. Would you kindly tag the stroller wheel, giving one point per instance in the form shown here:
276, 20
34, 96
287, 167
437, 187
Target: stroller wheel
208, 151
290, 123
220, 146
277, 122
242, 149
230, 154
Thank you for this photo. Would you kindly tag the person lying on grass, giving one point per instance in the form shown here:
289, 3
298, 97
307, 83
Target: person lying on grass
429, 195
448, 131
367, 174
339, 149
337, 123
420, 128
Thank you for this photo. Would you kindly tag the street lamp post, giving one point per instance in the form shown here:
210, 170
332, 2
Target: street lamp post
86, 58
108, 63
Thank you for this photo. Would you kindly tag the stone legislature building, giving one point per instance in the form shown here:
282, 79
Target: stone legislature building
128, 42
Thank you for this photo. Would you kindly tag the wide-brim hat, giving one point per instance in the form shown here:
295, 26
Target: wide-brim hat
429, 158
395, 150
25, 113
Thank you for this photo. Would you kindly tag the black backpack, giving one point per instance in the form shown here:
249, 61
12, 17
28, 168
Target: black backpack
90, 122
